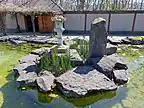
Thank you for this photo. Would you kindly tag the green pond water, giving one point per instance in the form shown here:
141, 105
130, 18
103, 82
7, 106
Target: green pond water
130, 95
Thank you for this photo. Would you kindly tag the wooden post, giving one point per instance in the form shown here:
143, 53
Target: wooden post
33, 24
141, 4
133, 26
3, 23
109, 21
43, 23
18, 27
85, 22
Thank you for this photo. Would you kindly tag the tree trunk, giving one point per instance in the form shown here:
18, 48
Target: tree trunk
33, 24
18, 27
2, 23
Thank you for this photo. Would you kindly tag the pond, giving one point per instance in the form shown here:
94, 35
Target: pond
130, 95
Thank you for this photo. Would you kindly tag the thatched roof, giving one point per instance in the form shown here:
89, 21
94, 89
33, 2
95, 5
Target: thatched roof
32, 7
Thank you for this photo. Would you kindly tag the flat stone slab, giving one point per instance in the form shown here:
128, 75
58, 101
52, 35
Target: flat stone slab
16, 41
6, 38
114, 41
75, 57
29, 58
52, 41
25, 68
126, 41
35, 39
40, 51
120, 76
45, 81
110, 49
69, 42
82, 80
63, 49
107, 64
27, 78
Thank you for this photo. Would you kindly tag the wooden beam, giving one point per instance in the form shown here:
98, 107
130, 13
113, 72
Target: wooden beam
57, 5
33, 24
85, 24
42, 23
134, 19
109, 22
105, 12
18, 27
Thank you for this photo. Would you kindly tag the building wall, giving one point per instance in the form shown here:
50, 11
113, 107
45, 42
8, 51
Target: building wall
11, 23
74, 22
121, 22
91, 17
139, 23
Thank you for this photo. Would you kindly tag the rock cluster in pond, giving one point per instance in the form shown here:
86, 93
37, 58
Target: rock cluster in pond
26, 69
103, 70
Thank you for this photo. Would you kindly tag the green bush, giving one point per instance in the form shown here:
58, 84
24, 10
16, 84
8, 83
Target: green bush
82, 46
57, 64
83, 49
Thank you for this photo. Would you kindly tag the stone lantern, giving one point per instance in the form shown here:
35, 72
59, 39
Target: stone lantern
59, 20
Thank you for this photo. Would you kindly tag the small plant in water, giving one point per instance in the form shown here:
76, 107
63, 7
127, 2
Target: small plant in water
82, 46
57, 64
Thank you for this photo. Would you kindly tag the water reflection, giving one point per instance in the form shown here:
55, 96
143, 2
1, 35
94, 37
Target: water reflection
85, 101
46, 97
90, 98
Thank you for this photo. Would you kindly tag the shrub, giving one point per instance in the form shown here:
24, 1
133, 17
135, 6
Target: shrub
57, 64
82, 46
83, 50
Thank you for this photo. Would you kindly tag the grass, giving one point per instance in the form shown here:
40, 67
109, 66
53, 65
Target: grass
131, 52
137, 37
25, 48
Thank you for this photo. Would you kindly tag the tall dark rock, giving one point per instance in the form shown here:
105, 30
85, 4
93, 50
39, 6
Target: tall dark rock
98, 38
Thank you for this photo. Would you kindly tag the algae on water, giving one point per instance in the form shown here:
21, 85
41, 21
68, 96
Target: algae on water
135, 98
131, 51
137, 37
